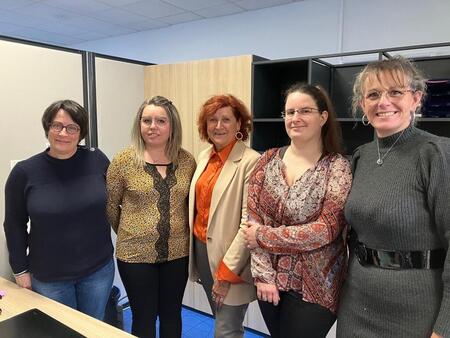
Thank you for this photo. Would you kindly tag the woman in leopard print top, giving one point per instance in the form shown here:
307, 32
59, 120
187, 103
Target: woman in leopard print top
148, 185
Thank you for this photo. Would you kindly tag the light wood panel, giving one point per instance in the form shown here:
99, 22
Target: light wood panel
190, 84
174, 81
18, 300
232, 75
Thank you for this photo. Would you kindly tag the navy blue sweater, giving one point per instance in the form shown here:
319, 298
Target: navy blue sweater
65, 202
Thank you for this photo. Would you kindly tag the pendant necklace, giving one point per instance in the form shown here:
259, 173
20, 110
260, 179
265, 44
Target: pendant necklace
381, 158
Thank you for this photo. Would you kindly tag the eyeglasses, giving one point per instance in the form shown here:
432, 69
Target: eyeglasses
159, 121
394, 94
304, 112
224, 120
57, 127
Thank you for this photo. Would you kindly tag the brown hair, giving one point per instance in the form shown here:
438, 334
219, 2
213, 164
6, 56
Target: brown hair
76, 112
331, 134
240, 111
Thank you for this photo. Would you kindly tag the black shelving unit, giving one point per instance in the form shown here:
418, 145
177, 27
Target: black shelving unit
336, 73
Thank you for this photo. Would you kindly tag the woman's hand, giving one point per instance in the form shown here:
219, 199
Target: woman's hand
24, 280
435, 335
250, 235
267, 293
219, 292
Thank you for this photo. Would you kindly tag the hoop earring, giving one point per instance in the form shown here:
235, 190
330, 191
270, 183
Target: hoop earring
364, 121
239, 136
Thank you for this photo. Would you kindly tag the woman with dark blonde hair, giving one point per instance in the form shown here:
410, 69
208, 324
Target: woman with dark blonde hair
296, 198
217, 206
398, 283
148, 185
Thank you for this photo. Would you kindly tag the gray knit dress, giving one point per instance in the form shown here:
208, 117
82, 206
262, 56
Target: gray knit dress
403, 204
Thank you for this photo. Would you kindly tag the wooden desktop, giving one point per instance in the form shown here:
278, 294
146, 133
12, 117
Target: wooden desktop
18, 300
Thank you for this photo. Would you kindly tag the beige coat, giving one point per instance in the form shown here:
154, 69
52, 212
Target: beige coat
225, 239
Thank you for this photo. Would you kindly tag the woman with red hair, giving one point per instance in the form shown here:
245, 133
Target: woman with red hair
218, 256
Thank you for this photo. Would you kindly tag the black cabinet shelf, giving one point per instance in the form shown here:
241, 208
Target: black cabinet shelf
267, 135
336, 74
275, 119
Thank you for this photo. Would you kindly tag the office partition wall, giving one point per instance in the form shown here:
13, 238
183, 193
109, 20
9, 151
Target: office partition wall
119, 93
32, 77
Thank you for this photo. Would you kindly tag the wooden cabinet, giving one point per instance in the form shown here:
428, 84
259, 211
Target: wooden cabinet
335, 73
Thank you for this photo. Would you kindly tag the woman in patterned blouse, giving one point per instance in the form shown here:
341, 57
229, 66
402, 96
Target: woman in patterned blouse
295, 219
148, 186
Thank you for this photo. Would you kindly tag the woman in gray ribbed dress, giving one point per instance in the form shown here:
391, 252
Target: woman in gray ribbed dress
398, 283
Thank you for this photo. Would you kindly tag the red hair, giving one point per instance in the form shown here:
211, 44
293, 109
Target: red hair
213, 104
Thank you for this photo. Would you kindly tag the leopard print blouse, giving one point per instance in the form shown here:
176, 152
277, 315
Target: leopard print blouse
149, 213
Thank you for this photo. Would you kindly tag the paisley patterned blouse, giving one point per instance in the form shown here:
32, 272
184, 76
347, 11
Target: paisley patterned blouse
302, 232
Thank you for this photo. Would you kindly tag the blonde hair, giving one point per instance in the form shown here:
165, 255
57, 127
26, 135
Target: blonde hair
398, 68
173, 145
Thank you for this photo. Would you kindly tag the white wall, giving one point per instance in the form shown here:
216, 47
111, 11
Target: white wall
306, 28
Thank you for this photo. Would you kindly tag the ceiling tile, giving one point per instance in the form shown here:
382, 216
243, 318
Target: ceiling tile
12, 4
67, 21
61, 27
120, 16
193, 5
148, 24
18, 18
6, 28
219, 10
256, 4
91, 36
44, 11
180, 18
79, 6
103, 27
47, 37
153, 8
117, 3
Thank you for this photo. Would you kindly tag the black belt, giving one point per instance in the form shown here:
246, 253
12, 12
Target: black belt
397, 260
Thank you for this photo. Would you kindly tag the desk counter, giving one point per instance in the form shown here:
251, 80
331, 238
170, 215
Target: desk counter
18, 300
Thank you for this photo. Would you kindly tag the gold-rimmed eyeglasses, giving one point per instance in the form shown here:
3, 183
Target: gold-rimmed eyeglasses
393, 94
304, 112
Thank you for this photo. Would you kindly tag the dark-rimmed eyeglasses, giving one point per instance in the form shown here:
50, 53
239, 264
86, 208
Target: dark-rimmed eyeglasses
306, 111
71, 129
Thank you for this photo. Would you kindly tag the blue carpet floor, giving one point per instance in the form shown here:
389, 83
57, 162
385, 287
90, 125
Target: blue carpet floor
195, 325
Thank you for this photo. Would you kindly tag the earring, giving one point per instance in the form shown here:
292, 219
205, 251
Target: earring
365, 122
239, 136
